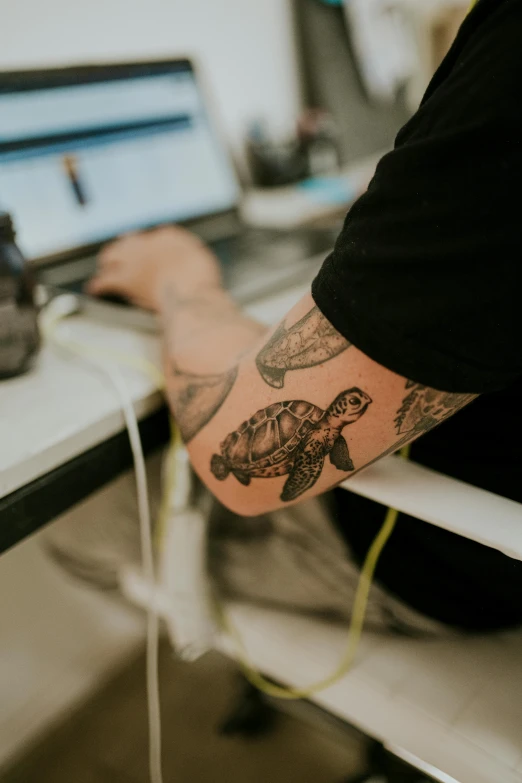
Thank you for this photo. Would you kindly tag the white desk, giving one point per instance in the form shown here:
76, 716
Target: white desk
64, 407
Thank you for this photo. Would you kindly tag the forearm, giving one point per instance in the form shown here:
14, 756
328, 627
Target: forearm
268, 419
204, 337
290, 414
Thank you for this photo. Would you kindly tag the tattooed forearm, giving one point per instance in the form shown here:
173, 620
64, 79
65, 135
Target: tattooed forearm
197, 398
202, 331
291, 438
309, 342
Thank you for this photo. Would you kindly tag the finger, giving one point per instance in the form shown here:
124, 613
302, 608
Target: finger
122, 250
116, 245
110, 253
108, 264
104, 284
126, 235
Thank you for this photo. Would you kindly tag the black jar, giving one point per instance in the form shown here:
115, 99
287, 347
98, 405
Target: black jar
19, 336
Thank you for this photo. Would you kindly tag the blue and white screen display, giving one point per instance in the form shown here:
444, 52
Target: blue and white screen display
82, 163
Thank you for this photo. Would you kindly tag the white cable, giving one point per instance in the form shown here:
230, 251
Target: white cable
58, 309
153, 699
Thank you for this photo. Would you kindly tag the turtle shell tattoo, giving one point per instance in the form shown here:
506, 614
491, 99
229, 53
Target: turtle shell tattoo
291, 438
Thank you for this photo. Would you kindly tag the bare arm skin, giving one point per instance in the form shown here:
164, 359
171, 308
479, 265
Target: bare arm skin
204, 337
268, 419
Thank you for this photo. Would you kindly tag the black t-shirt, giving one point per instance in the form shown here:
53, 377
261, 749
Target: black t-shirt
426, 279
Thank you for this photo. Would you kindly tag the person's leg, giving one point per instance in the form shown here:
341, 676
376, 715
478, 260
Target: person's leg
295, 559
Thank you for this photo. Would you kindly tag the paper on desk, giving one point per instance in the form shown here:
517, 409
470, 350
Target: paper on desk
295, 205
282, 208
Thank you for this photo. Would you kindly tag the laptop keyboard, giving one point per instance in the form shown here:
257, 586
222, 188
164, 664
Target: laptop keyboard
259, 262
255, 263
78, 287
273, 248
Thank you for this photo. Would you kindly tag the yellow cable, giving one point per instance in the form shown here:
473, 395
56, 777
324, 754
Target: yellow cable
354, 634
134, 362
49, 329
367, 572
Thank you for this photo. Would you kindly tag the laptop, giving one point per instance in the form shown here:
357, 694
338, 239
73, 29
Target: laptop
89, 153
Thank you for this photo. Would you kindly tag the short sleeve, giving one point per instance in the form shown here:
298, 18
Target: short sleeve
426, 276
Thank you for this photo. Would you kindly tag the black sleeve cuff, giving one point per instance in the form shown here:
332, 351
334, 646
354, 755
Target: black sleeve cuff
405, 354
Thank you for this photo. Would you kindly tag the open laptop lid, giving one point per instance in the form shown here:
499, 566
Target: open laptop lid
88, 153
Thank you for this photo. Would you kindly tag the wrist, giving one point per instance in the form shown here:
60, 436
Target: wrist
189, 306
185, 294
170, 290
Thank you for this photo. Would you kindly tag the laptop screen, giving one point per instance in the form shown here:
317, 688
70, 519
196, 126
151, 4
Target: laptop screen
83, 162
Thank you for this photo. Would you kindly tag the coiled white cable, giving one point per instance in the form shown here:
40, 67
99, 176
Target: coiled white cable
58, 309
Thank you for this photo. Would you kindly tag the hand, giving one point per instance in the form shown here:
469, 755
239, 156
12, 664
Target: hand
142, 267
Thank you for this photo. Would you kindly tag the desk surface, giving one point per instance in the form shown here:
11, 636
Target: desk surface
64, 406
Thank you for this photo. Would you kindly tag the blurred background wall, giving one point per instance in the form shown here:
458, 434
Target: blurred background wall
261, 59
246, 47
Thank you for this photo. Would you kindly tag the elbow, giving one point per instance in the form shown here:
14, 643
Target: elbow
240, 506
241, 498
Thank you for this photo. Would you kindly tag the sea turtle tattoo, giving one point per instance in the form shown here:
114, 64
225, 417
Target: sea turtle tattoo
291, 437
